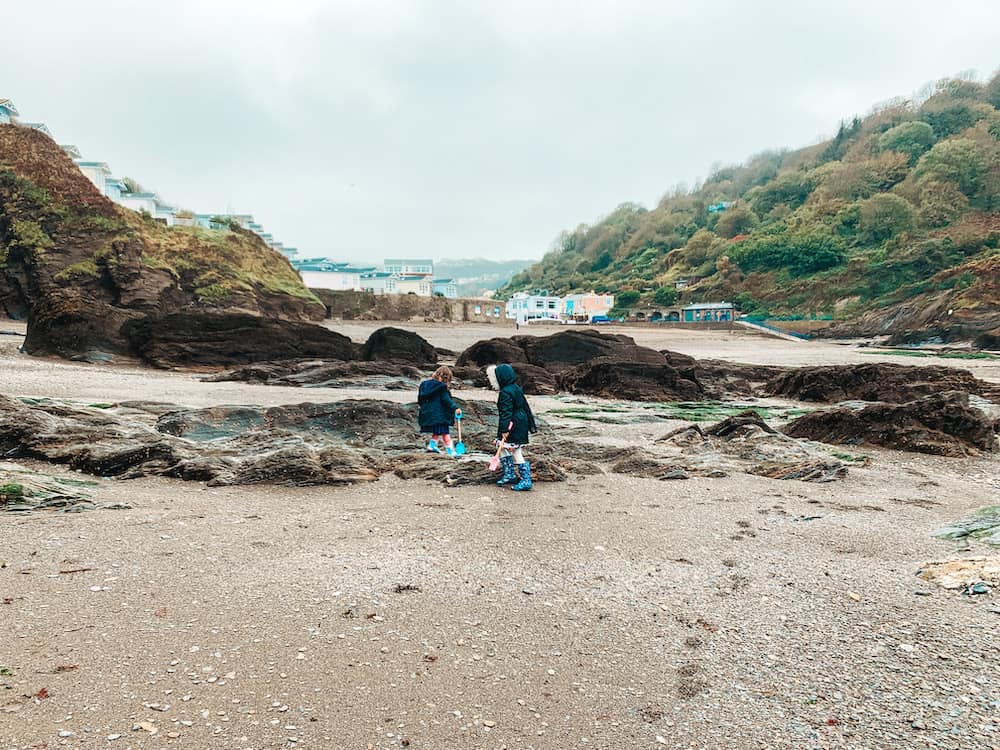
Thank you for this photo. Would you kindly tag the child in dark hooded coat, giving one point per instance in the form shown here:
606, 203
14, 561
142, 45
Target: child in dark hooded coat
437, 411
516, 421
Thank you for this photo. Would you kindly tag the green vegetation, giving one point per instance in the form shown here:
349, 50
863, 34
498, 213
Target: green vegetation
931, 353
224, 266
689, 411
12, 492
896, 204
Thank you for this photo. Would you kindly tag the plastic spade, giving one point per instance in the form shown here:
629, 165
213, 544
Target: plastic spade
459, 446
495, 461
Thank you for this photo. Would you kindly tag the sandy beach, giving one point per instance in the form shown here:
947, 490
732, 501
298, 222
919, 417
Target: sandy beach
603, 612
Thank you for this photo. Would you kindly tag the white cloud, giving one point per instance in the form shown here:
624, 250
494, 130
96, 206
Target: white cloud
359, 128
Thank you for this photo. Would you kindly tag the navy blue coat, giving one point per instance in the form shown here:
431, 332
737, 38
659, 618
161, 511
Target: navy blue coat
436, 407
512, 406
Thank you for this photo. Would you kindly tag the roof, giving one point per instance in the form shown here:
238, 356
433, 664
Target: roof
409, 261
93, 164
71, 150
708, 305
377, 275
9, 106
322, 267
444, 281
38, 126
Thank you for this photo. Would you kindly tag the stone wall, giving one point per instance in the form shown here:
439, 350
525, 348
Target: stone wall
353, 305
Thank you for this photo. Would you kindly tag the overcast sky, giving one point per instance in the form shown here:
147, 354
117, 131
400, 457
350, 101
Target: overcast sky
364, 129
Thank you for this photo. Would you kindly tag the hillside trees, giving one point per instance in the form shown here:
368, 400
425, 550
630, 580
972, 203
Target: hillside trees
885, 215
957, 160
737, 220
845, 218
911, 138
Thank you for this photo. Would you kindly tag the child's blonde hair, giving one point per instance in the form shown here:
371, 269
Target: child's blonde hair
443, 374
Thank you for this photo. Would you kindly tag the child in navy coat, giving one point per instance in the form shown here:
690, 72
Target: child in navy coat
437, 411
514, 423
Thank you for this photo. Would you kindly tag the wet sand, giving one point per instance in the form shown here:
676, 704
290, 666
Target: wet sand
606, 612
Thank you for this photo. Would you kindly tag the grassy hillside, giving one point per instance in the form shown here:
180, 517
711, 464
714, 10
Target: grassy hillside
903, 202
53, 220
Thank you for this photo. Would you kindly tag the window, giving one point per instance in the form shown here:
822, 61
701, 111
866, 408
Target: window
552, 304
539, 304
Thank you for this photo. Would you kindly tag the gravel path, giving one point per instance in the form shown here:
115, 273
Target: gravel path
610, 612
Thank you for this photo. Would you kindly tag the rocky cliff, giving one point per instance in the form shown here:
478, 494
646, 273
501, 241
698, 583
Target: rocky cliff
86, 272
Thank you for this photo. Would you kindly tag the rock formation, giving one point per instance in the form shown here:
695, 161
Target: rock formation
85, 272
877, 381
399, 346
943, 424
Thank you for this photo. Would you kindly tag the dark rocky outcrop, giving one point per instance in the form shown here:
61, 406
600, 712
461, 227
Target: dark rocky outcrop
870, 382
351, 441
943, 424
989, 340
580, 361
628, 380
493, 351
566, 349
322, 372
399, 346
81, 268
189, 340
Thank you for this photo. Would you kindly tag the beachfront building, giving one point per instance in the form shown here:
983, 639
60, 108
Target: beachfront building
409, 266
41, 127
322, 274
541, 306
445, 288
709, 312
410, 284
8, 112
379, 282
114, 188
96, 171
583, 307
164, 212
140, 202
72, 151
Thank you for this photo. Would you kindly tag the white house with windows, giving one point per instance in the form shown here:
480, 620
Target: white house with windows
542, 306
8, 112
379, 282
409, 266
97, 172
445, 288
335, 276
114, 188
418, 285
164, 212
140, 202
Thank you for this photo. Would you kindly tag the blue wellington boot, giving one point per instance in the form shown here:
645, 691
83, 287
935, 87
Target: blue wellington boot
509, 475
525, 483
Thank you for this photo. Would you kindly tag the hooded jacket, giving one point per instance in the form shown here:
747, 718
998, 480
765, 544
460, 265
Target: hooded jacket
436, 407
512, 406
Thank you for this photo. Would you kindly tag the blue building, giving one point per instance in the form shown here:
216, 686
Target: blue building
8, 112
709, 312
